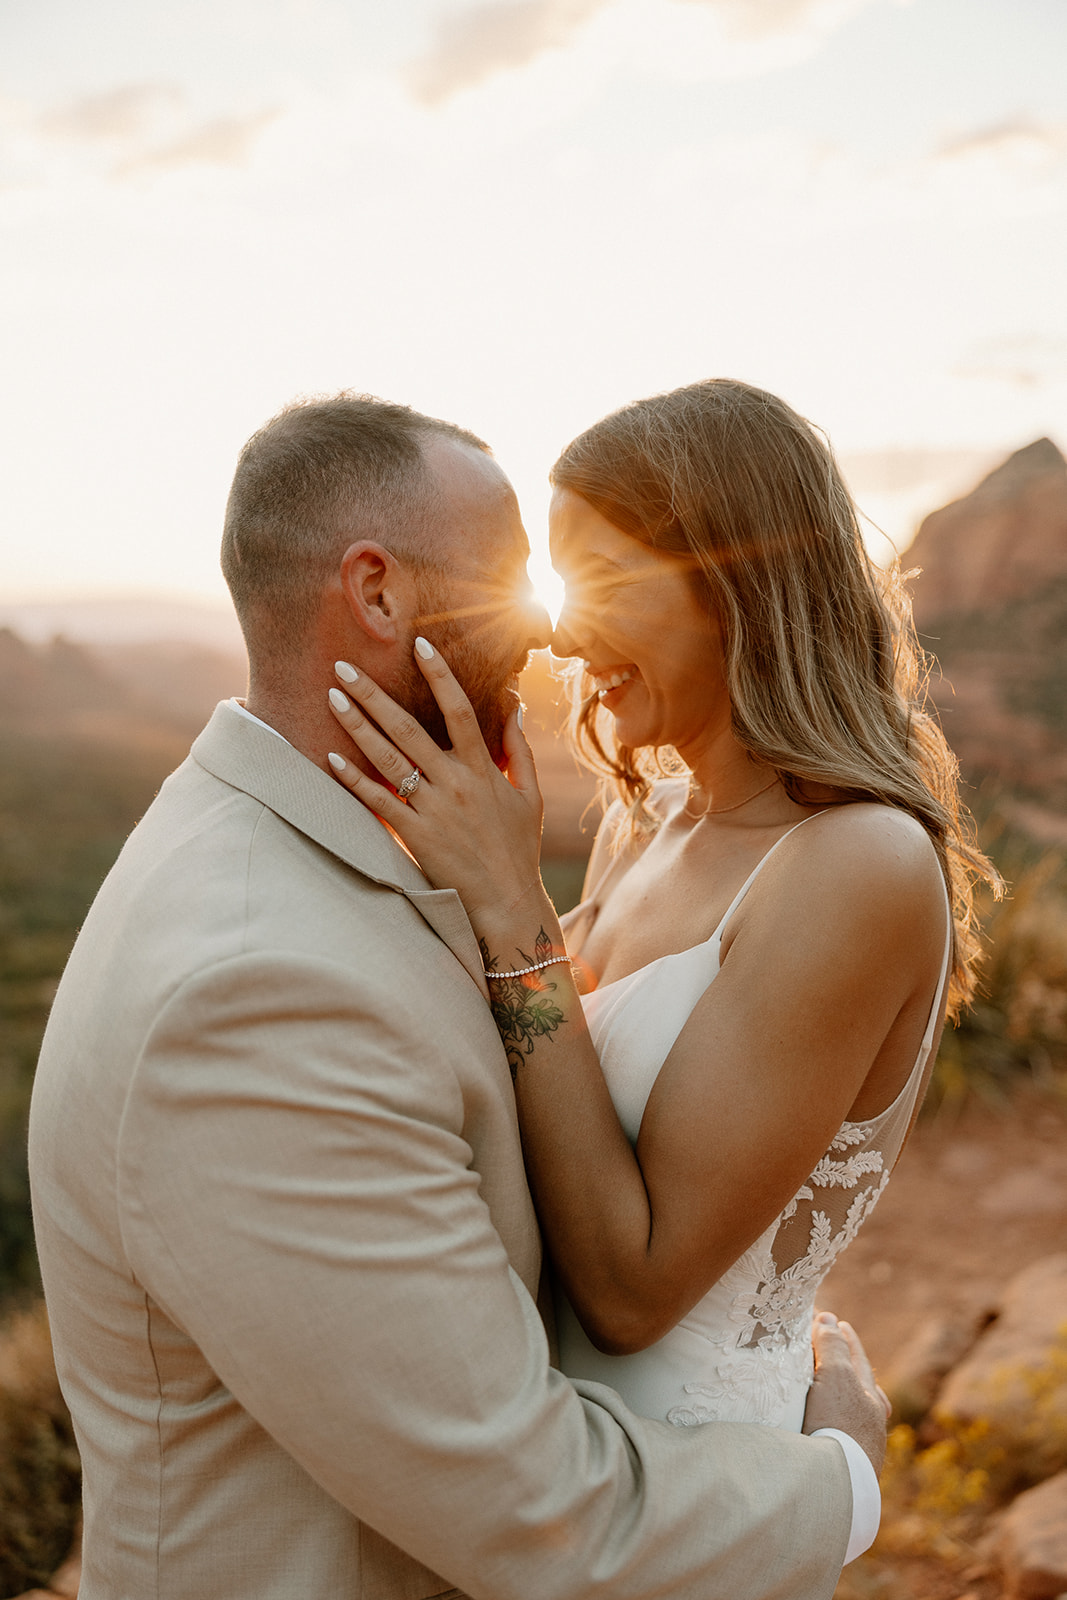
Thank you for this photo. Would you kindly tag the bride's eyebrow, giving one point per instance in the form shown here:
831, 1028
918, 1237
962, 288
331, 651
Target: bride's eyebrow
582, 560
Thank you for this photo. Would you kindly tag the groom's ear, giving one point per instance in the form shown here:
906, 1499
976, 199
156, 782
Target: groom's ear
377, 589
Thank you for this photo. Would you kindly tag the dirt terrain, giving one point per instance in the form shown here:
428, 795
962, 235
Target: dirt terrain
975, 1197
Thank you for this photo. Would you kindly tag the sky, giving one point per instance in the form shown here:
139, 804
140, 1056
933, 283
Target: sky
518, 215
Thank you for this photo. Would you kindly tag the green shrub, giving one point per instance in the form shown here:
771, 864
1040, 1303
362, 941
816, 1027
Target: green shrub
40, 1474
1016, 1027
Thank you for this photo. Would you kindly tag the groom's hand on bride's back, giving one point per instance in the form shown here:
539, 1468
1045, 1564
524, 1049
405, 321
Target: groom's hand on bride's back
844, 1394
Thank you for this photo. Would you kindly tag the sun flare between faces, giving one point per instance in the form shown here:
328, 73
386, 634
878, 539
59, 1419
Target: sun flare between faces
546, 581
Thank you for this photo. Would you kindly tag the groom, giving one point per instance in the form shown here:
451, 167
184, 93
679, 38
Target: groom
289, 1254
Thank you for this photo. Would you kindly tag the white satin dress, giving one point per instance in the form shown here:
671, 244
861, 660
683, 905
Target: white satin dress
743, 1353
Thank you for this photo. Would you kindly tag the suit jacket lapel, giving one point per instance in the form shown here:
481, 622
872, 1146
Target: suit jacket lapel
267, 767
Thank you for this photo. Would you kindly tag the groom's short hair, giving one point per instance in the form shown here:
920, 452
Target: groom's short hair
315, 478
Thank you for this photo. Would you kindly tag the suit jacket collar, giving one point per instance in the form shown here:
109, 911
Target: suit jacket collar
251, 758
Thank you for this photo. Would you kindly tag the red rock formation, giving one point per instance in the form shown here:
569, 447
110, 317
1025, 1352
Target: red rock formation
991, 607
1026, 1336
1031, 1542
1001, 542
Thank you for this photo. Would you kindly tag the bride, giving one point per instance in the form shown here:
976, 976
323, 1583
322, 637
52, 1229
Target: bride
776, 914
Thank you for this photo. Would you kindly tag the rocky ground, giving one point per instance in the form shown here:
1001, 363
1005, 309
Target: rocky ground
978, 1199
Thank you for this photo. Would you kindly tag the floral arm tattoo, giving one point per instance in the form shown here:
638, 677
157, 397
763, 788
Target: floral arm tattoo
523, 1008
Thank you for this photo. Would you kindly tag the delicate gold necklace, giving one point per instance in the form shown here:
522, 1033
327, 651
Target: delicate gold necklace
718, 811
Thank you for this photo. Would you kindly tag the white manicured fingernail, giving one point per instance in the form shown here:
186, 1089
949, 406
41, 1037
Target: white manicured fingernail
339, 701
521, 712
424, 648
345, 671
338, 763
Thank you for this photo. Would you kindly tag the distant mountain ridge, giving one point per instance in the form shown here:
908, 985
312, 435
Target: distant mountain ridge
67, 688
991, 606
998, 543
126, 619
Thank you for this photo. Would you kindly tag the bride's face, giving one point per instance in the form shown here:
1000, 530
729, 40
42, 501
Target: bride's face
638, 620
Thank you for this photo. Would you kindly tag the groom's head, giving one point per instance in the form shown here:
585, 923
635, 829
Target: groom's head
352, 526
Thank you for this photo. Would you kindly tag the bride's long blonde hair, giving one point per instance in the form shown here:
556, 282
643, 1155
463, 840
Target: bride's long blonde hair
825, 675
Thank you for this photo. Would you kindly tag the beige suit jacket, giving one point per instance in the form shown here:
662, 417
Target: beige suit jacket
291, 1261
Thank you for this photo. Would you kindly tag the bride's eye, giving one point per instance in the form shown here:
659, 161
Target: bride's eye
587, 599
592, 581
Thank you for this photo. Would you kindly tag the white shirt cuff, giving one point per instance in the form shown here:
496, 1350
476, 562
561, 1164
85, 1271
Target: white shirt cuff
866, 1495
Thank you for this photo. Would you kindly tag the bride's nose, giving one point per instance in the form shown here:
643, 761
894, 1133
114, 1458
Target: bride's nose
565, 633
563, 642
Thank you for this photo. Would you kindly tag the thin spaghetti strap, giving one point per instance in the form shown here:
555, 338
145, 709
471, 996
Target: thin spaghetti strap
758, 868
939, 992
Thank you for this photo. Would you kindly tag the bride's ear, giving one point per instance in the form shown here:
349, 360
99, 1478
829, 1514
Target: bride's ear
376, 590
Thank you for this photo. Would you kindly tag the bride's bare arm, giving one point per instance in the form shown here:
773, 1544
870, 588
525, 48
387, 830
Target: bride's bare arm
824, 958
757, 1085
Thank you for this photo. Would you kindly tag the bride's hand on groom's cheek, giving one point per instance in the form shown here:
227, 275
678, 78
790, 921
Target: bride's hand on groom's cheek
468, 825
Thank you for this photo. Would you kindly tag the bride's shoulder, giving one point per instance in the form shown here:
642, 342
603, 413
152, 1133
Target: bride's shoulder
863, 851
879, 832
857, 882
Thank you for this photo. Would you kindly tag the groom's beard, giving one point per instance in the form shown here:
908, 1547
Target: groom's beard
482, 664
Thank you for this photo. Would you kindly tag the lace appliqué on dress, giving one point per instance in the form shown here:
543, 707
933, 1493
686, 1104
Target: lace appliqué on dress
764, 1345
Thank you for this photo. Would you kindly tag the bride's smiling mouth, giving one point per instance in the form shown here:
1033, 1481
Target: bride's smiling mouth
608, 680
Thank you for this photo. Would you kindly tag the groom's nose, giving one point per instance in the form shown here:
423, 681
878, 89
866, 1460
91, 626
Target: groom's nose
538, 624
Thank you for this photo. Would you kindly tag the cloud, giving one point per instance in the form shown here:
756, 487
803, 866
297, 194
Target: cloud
1025, 360
224, 141
761, 19
128, 129
122, 114
473, 42
1010, 137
